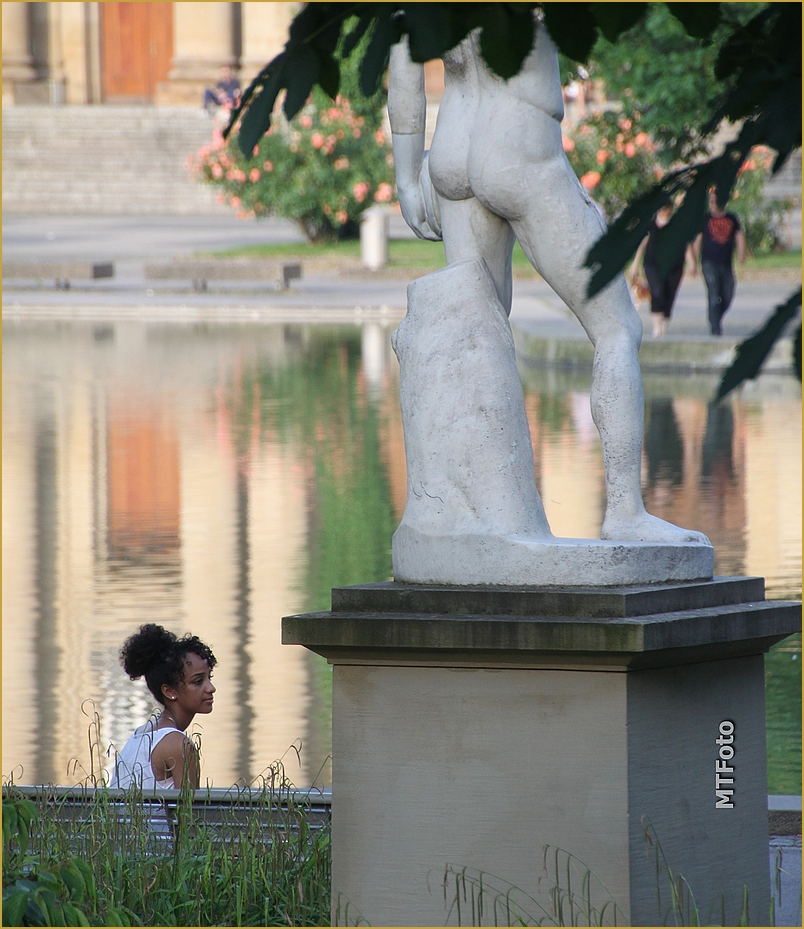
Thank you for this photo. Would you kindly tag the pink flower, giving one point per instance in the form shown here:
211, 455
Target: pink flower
316, 140
567, 144
231, 175
235, 202
240, 175
630, 149
341, 216
268, 165
379, 137
590, 179
356, 133
360, 190
306, 122
255, 150
384, 193
641, 138
624, 124
254, 175
601, 156
341, 164
217, 172
334, 113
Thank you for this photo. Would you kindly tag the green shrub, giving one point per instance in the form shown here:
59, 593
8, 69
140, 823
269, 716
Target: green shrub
320, 170
761, 216
614, 159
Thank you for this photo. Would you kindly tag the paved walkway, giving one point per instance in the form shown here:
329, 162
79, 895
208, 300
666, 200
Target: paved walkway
130, 240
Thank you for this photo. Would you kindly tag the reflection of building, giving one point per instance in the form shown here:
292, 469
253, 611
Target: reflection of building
164, 53
93, 547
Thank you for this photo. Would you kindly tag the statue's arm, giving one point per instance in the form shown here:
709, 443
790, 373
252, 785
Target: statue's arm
407, 110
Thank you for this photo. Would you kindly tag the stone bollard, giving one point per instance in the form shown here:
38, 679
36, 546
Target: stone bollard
374, 238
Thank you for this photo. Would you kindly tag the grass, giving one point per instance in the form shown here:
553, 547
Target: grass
117, 863
419, 255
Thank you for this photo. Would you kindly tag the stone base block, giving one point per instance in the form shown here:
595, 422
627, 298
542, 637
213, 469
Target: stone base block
490, 733
420, 558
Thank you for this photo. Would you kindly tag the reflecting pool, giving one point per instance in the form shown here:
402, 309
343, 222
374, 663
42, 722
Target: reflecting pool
215, 477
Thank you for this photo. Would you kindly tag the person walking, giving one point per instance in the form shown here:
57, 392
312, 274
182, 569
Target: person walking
663, 290
715, 246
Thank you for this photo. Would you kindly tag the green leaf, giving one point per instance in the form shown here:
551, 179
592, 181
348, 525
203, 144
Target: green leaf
352, 40
375, 60
430, 27
698, 19
73, 916
10, 824
752, 352
506, 38
73, 881
116, 918
571, 27
257, 119
329, 76
14, 905
614, 19
302, 67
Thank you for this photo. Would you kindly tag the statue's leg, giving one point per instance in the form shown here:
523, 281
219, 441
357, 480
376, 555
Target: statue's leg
556, 226
469, 230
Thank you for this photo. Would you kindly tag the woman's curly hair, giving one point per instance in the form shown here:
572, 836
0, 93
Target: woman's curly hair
158, 655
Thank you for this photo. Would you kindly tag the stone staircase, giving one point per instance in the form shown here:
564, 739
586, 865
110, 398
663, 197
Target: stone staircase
104, 160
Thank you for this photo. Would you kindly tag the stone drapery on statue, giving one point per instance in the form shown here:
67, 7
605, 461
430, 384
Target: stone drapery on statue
497, 172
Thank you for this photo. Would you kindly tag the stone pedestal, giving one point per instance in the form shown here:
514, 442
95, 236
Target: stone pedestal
473, 727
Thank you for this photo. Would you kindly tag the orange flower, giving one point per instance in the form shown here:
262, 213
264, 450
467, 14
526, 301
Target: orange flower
630, 150
566, 143
601, 156
590, 179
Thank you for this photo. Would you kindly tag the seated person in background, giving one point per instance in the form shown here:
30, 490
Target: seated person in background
226, 92
178, 672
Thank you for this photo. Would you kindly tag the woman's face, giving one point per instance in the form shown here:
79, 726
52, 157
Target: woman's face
194, 694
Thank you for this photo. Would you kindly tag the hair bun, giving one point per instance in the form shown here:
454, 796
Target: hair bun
146, 648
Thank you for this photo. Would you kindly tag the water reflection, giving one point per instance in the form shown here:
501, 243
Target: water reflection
216, 478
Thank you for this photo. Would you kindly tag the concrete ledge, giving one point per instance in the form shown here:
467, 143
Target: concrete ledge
202, 270
62, 272
581, 602
651, 639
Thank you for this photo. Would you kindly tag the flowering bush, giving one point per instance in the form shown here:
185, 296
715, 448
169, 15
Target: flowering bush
614, 159
321, 170
760, 216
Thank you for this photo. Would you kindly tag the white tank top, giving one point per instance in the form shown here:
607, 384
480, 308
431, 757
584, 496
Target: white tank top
134, 761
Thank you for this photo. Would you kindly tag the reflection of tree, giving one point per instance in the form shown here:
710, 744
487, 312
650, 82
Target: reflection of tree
664, 448
717, 465
319, 402
783, 701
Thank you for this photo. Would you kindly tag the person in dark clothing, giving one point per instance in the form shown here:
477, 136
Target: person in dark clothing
715, 246
226, 92
663, 290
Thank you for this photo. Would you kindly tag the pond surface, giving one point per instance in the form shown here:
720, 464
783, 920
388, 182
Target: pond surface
215, 478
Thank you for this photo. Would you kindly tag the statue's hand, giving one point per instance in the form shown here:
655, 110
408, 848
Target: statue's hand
412, 202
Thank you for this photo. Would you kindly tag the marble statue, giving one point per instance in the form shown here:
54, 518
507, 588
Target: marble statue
496, 172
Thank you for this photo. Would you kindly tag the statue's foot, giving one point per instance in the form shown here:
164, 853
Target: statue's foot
646, 528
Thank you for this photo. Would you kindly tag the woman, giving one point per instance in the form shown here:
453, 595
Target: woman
178, 672
663, 290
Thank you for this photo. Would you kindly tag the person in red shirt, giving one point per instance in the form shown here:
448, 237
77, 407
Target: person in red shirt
715, 246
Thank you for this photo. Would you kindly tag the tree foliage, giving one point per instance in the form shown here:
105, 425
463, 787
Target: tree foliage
758, 62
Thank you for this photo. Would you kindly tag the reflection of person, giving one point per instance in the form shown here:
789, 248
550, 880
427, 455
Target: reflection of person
226, 92
663, 290
178, 672
715, 246
497, 171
